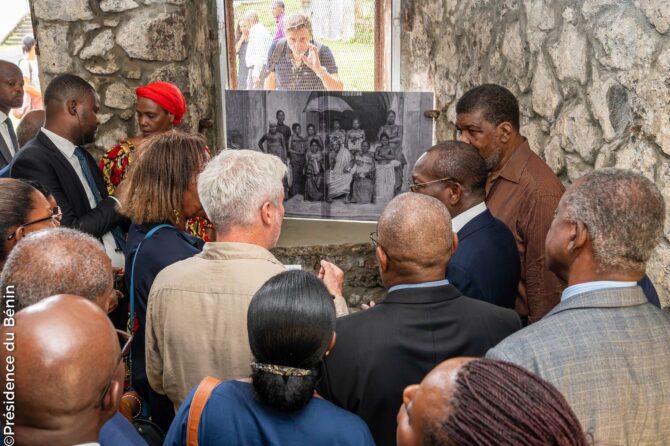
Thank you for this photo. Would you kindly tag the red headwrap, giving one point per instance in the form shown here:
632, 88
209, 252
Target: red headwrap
167, 95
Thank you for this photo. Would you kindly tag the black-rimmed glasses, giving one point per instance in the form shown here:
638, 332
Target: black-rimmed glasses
125, 341
55, 214
414, 187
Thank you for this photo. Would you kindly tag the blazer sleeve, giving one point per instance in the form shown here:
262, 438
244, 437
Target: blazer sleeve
96, 222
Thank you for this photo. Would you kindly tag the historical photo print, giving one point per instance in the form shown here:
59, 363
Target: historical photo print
348, 153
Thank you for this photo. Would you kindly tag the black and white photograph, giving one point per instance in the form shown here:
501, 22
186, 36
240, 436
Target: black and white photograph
348, 153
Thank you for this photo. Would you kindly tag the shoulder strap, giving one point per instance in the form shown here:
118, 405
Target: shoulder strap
277, 54
131, 315
202, 394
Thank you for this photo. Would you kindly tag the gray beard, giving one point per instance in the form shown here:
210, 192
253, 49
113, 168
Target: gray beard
493, 160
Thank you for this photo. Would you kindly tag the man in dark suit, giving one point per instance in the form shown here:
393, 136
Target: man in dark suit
56, 159
486, 264
11, 96
422, 321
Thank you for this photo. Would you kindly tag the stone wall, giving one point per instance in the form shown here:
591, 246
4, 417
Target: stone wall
362, 282
591, 77
118, 45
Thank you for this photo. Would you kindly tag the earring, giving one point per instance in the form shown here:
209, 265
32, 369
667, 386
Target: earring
177, 217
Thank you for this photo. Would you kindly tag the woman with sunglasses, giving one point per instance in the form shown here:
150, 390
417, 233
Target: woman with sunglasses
23, 209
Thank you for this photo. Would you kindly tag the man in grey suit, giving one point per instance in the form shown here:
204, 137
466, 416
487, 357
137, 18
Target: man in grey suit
604, 346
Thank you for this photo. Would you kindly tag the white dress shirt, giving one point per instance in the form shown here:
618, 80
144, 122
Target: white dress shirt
67, 149
257, 48
4, 131
464, 218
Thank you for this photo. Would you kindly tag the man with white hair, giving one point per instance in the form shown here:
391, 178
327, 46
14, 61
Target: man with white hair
197, 312
604, 346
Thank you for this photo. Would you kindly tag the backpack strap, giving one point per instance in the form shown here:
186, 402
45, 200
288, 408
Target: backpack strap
202, 394
131, 317
277, 54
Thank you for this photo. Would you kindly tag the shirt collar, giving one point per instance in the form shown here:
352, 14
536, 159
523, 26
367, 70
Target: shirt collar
3, 116
513, 169
404, 286
464, 218
586, 287
64, 145
236, 251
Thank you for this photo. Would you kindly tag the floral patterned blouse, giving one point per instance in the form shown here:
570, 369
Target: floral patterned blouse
113, 165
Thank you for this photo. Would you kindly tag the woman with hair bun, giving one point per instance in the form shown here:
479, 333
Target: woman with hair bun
291, 325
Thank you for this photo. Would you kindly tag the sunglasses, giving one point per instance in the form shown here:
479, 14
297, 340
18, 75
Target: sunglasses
125, 341
55, 215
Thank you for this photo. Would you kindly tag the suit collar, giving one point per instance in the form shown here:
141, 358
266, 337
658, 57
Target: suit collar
422, 295
462, 219
607, 298
475, 224
64, 145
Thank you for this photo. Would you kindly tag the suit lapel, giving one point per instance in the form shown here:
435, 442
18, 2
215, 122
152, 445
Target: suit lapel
4, 151
67, 175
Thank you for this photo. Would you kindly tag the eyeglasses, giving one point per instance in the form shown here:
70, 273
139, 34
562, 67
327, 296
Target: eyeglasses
55, 215
414, 187
125, 341
374, 237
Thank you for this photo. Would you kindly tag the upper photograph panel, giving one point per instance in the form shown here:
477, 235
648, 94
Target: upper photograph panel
304, 45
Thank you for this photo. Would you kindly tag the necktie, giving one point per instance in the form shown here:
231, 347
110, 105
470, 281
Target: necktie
88, 175
12, 135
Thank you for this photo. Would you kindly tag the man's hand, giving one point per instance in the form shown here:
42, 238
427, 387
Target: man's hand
332, 277
312, 59
369, 305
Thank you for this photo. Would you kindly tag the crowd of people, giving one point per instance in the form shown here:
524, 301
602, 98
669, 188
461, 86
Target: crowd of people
288, 60
143, 304
339, 164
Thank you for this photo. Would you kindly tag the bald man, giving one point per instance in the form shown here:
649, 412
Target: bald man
422, 321
60, 261
31, 123
69, 373
11, 96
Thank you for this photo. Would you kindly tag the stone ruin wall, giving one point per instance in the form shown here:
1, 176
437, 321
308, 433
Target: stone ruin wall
118, 45
592, 78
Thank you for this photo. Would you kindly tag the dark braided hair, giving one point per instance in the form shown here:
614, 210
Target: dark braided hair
497, 403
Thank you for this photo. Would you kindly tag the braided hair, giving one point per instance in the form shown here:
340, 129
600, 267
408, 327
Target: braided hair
498, 403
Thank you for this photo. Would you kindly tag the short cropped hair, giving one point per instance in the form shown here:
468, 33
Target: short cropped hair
298, 21
415, 232
236, 183
57, 261
624, 214
165, 166
497, 103
66, 86
461, 162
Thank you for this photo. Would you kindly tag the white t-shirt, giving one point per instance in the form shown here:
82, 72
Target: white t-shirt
30, 70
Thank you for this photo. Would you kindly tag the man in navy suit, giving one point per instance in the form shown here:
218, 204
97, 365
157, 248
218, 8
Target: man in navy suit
486, 264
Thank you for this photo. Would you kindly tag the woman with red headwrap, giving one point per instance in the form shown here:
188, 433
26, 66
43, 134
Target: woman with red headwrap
160, 107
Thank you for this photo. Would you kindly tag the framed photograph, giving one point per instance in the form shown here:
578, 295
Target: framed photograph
348, 153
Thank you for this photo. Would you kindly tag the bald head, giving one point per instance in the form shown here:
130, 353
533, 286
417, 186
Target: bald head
29, 126
415, 232
59, 261
67, 350
7, 67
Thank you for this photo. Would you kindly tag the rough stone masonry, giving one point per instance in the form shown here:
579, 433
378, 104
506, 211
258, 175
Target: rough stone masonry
592, 78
